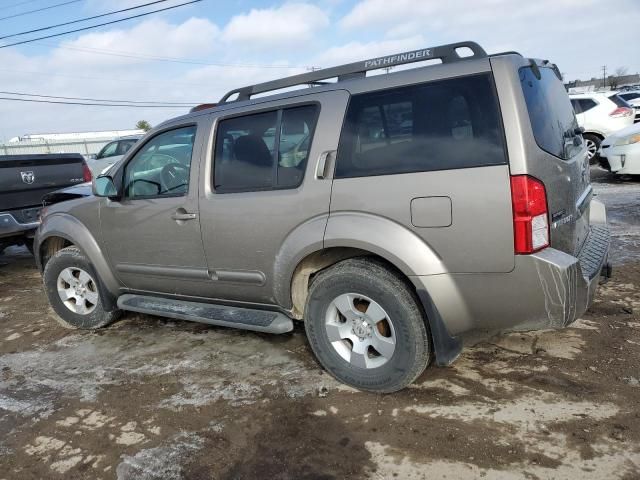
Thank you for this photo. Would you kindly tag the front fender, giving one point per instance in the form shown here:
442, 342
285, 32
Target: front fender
70, 228
386, 238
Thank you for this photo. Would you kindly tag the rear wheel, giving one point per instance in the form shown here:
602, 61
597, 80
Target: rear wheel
74, 292
593, 145
366, 327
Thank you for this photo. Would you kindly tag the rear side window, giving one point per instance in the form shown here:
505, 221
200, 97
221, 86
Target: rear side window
440, 125
264, 151
620, 102
552, 117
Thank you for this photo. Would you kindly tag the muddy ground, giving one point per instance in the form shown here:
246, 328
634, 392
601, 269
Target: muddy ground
150, 398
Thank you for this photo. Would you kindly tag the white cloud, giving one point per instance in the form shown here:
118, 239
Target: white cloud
287, 26
190, 39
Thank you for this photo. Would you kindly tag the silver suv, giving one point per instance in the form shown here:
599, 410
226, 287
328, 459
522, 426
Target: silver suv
391, 213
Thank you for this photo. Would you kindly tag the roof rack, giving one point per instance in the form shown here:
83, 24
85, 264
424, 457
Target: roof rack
446, 53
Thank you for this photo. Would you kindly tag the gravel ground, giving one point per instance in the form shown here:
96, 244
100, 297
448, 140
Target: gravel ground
150, 398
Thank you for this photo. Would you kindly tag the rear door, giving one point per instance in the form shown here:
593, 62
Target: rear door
560, 160
261, 189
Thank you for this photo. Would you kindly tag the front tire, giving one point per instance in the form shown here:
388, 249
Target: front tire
366, 327
74, 291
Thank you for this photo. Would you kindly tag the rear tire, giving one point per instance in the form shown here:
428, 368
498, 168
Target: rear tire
366, 327
75, 292
593, 145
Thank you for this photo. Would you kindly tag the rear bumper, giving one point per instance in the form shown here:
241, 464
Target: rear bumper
11, 227
549, 289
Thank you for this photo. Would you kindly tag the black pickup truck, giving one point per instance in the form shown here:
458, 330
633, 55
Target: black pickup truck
24, 180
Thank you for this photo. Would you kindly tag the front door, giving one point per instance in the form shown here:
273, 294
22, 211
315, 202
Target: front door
153, 233
265, 191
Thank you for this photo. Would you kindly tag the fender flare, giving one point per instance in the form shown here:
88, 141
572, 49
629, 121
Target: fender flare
382, 237
62, 225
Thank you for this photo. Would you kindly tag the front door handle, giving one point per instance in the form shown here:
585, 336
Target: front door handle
183, 216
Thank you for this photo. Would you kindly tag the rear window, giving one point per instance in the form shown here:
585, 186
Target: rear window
439, 125
551, 114
620, 102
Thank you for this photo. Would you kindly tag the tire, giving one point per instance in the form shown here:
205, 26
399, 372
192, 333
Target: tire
593, 144
367, 290
84, 309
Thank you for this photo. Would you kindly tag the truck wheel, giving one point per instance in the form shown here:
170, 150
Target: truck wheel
74, 292
366, 327
593, 144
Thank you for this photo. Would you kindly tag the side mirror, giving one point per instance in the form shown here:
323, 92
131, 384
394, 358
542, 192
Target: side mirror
103, 186
93, 156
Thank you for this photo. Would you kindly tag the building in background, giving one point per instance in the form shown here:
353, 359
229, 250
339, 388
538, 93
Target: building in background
84, 143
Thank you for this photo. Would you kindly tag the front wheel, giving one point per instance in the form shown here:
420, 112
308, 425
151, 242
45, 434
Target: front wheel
74, 292
366, 327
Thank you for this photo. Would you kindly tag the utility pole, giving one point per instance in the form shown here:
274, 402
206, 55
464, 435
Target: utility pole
604, 76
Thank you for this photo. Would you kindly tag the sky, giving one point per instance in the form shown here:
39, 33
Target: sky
196, 53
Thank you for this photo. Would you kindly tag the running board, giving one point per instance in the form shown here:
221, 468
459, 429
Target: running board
243, 318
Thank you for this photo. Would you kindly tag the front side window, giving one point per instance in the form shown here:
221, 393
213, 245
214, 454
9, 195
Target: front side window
161, 167
553, 120
439, 125
109, 150
246, 157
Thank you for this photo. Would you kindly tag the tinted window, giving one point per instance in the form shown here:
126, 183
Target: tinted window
109, 150
161, 167
586, 104
629, 96
620, 102
246, 157
576, 105
552, 117
435, 126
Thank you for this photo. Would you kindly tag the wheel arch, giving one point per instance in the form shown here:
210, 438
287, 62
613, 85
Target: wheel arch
59, 231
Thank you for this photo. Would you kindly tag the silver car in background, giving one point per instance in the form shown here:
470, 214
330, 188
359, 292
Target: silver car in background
111, 153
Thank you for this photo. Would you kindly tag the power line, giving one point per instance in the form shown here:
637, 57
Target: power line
100, 24
7, 7
82, 19
182, 104
93, 104
40, 9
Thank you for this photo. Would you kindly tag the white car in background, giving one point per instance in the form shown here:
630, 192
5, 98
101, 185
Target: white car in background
620, 152
600, 114
111, 153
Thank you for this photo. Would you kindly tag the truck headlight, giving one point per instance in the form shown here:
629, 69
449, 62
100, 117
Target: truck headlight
628, 140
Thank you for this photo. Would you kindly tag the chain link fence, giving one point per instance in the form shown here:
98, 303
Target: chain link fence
83, 147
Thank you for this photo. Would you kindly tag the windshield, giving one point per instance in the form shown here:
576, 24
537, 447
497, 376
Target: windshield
552, 117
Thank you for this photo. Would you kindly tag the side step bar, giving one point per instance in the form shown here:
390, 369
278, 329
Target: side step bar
225, 316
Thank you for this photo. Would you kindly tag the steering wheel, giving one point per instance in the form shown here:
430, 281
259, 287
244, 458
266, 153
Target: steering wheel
174, 175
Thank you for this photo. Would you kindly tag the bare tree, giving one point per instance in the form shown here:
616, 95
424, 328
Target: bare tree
621, 71
614, 80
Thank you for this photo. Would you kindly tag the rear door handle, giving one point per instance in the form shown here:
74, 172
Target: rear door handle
182, 216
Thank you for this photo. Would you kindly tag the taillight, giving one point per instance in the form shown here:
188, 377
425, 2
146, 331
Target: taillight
622, 112
530, 214
86, 173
